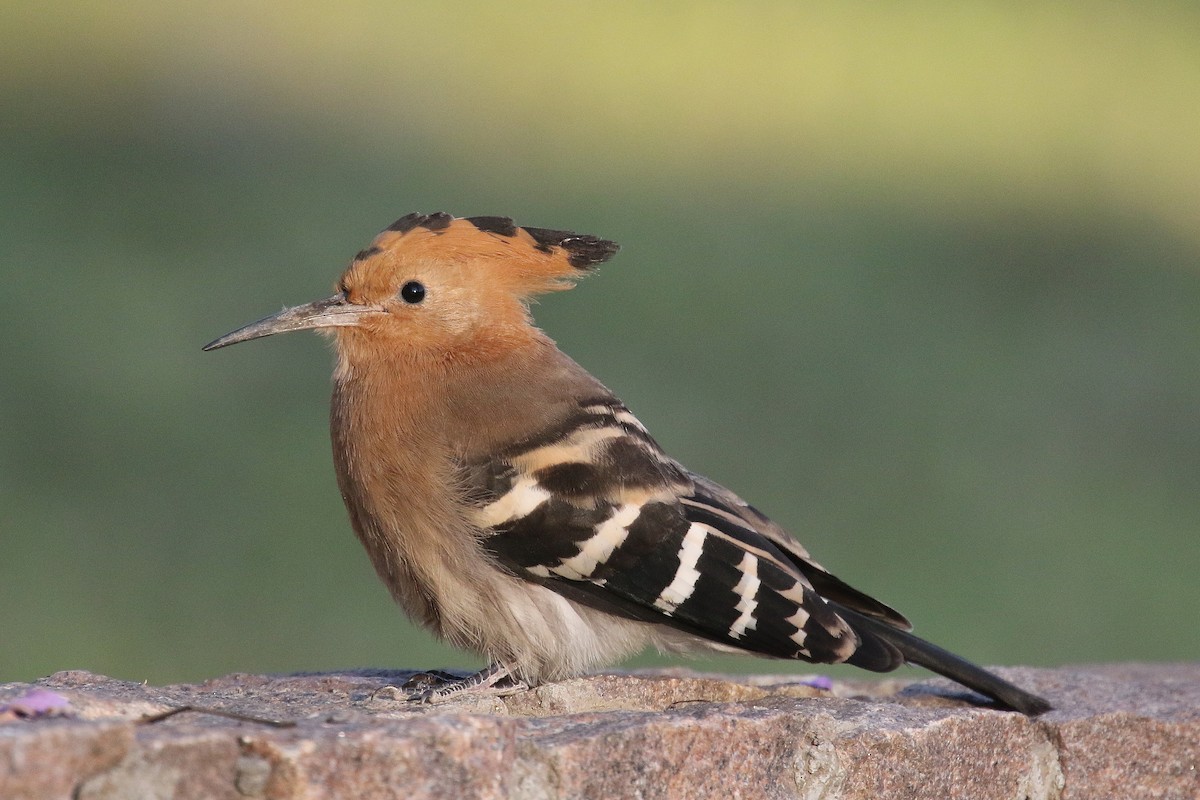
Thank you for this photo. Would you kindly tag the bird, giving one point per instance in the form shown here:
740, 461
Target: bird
515, 507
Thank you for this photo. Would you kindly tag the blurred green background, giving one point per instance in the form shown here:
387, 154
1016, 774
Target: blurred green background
920, 281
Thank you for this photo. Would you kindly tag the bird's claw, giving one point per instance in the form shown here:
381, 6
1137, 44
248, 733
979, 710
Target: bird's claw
438, 686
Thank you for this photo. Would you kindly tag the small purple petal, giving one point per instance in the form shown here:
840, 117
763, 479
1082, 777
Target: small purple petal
823, 682
37, 703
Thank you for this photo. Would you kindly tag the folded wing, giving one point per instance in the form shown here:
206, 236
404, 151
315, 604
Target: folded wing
595, 510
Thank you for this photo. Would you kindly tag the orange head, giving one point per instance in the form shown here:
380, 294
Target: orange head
434, 282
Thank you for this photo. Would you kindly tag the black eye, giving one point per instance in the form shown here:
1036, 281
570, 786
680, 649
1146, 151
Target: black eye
412, 292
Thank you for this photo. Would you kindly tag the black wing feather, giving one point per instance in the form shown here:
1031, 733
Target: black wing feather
594, 510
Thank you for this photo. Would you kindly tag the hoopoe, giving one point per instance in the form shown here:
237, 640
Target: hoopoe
516, 508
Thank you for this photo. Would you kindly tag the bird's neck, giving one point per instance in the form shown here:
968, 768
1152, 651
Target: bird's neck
410, 400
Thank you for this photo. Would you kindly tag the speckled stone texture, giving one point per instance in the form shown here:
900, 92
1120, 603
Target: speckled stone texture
1122, 732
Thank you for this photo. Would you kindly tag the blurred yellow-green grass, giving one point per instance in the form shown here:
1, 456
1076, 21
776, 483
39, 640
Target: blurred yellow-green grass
920, 281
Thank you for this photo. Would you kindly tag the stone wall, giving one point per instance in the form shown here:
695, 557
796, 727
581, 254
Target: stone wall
1128, 731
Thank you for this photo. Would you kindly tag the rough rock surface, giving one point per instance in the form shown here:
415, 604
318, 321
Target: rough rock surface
1130, 731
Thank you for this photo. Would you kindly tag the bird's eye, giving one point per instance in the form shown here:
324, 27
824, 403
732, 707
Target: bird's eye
412, 292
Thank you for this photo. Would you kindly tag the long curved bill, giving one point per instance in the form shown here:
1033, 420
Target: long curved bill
331, 312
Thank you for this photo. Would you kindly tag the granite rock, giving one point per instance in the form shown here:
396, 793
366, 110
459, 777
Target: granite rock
1124, 731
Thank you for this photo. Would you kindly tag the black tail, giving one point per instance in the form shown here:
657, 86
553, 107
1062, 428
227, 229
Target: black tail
920, 652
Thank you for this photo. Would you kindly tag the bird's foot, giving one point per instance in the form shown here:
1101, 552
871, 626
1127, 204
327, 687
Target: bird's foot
437, 686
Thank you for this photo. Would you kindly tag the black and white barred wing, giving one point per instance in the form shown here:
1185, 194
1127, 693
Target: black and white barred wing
596, 511
718, 499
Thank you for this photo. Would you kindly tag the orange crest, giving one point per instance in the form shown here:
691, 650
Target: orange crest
525, 261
